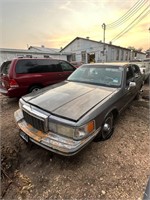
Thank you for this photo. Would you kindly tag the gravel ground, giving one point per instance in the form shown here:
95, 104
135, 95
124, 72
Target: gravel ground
117, 169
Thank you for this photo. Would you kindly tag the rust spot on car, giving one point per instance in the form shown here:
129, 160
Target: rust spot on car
32, 132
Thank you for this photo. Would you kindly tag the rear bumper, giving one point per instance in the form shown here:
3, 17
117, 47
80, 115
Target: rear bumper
12, 92
52, 141
3, 91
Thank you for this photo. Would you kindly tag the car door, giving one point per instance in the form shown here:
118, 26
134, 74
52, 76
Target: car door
48, 71
67, 69
138, 78
127, 92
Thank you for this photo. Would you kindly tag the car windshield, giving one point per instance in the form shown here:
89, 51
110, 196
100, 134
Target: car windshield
110, 76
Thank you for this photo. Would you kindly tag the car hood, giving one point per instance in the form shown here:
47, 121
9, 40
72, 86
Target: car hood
70, 100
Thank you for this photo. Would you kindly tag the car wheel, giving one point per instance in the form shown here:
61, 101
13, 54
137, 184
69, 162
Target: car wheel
107, 129
147, 79
35, 88
137, 97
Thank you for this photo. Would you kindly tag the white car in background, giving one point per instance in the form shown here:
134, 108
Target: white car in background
145, 69
146, 60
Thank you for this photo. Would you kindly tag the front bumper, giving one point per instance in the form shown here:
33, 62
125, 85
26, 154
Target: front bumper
52, 141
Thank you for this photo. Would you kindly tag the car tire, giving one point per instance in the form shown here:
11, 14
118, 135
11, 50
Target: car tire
137, 97
34, 88
147, 80
107, 129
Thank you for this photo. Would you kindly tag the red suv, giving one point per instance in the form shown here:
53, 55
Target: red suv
24, 75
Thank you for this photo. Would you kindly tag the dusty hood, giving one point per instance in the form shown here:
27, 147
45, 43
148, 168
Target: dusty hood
70, 100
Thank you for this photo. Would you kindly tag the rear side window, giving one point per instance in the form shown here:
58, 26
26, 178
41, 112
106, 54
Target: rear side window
66, 66
136, 69
130, 74
5, 67
37, 66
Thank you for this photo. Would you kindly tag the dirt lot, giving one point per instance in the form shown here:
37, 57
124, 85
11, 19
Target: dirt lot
117, 169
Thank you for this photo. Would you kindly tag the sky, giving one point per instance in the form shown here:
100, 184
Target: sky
55, 23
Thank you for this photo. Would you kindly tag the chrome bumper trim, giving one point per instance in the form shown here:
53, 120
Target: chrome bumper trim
52, 141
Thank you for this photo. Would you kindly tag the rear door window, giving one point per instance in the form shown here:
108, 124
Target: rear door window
136, 69
66, 66
37, 66
24, 66
130, 75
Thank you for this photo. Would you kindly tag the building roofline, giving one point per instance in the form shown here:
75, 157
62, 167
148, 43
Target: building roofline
30, 51
77, 38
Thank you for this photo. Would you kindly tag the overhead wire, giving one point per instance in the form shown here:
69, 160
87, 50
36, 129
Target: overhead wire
127, 17
135, 22
125, 13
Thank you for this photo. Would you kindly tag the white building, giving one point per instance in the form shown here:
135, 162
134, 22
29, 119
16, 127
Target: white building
31, 52
86, 51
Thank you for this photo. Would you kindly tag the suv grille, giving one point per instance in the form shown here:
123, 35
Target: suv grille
35, 122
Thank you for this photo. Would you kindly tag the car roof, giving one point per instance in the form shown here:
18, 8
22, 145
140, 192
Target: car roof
114, 64
26, 58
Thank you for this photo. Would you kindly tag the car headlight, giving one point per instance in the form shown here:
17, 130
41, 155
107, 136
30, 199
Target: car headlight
84, 130
73, 132
61, 129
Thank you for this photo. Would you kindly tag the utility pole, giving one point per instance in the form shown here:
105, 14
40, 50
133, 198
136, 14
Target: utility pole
149, 37
104, 28
148, 50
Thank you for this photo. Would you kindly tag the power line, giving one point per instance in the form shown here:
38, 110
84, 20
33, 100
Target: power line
129, 26
127, 15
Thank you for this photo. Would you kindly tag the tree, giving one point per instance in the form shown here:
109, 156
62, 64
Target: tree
148, 53
134, 49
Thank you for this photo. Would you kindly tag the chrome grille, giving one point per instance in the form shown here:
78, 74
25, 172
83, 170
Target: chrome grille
39, 124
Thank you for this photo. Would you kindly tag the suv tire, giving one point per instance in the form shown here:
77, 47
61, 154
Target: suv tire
34, 88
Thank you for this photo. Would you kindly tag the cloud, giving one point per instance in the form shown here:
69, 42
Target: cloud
55, 23
65, 6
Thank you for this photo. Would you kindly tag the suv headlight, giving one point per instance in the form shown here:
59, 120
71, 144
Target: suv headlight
73, 132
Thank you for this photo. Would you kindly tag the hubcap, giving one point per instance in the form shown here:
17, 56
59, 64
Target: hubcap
107, 127
35, 89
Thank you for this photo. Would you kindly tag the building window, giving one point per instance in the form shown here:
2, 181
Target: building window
20, 56
46, 56
126, 55
29, 56
112, 55
73, 57
122, 54
117, 54
83, 54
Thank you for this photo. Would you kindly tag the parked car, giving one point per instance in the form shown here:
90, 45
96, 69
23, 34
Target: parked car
136, 60
146, 60
24, 75
65, 117
144, 68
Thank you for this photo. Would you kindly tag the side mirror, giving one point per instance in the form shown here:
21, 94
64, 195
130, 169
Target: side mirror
131, 85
